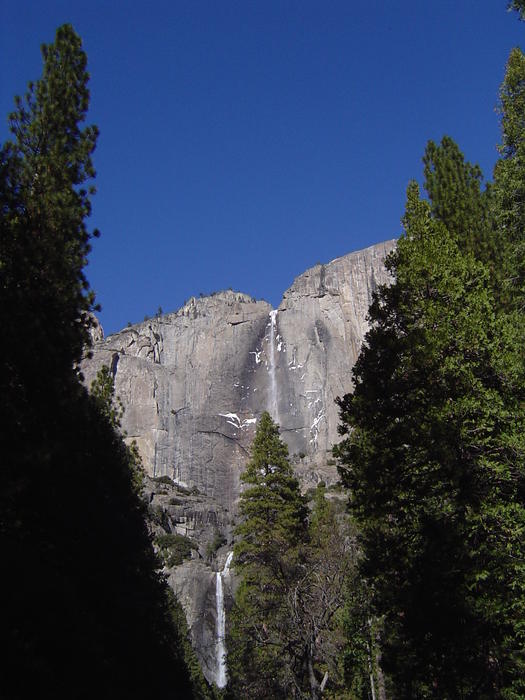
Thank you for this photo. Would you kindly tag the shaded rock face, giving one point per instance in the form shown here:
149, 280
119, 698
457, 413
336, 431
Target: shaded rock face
193, 384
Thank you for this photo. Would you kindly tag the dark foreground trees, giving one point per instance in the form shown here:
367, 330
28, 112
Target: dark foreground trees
434, 462
434, 453
84, 612
509, 186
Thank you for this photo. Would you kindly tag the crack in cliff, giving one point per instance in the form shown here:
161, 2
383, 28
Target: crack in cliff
178, 410
238, 323
228, 437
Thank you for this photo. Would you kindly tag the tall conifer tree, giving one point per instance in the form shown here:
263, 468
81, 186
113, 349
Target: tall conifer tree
458, 200
261, 653
509, 183
434, 462
84, 610
46, 241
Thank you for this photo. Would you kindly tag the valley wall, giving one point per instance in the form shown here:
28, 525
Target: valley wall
194, 382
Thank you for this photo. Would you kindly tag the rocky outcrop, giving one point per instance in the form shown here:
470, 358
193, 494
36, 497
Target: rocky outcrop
205, 526
194, 382
321, 324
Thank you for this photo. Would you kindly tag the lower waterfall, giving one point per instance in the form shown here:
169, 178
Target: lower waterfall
221, 623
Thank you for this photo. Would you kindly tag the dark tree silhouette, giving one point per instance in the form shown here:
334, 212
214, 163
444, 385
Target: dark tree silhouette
84, 612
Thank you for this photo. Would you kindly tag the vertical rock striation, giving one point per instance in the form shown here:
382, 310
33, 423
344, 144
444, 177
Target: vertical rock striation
321, 325
185, 380
193, 382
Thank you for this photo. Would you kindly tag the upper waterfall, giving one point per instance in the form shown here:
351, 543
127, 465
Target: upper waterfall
274, 406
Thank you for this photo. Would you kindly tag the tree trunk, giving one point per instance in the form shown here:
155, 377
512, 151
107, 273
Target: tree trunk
314, 685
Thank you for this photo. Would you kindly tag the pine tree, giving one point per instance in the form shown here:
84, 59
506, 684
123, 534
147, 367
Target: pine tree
85, 612
261, 654
271, 505
363, 677
434, 462
102, 391
458, 201
46, 241
509, 184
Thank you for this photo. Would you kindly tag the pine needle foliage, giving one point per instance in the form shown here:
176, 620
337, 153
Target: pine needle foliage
434, 460
271, 506
457, 199
267, 557
519, 6
509, 184
85, 611
286, 626
47, 169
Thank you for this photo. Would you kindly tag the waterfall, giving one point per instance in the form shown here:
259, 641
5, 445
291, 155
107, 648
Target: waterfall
221, 622
273, 384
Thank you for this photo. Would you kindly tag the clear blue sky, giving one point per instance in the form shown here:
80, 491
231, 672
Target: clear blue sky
242, 142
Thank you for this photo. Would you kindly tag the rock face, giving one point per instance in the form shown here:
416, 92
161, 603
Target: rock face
321, 323
194, 382
188, 382
207, 525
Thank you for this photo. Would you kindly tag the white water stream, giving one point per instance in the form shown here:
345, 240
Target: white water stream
274, 410
221, 623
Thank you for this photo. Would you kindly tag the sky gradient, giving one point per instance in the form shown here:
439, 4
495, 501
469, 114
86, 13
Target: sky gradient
242, 142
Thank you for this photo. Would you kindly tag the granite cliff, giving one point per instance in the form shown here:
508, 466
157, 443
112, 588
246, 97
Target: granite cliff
194, 382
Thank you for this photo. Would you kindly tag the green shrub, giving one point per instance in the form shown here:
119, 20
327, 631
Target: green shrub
174, 548
164, 479
218, 540
310, 494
